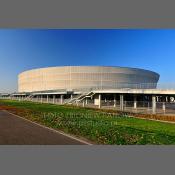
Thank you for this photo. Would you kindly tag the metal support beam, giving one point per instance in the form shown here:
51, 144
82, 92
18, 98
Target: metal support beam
121, 102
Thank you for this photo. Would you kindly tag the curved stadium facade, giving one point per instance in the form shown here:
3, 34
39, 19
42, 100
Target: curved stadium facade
121, 88
86, 78
110, 87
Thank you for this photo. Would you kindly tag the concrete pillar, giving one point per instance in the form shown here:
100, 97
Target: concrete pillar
163, 107
71, 96
53, 99
154, 104
99, 101
61, 99
47, 98
163, 103
83, 103
135, 102
166, 99
121, 102
86, 101
114, 100
76, 102
41, 100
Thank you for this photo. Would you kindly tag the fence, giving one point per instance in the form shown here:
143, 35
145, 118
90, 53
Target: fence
144, 107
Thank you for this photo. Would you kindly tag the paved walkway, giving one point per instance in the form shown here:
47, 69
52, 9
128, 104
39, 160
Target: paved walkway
17, 131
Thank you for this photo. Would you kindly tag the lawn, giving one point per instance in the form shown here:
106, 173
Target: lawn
94, 125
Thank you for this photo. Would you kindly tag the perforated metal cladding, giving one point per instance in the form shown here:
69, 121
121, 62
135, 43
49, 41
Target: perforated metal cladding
84, 77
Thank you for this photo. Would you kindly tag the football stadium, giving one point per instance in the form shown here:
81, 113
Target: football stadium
121, 88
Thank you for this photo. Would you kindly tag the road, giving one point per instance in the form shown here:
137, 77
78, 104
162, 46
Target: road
18, 131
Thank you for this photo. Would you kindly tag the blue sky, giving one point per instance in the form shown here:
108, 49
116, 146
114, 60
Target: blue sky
29, 48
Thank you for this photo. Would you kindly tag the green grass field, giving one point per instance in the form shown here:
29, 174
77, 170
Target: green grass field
94, 125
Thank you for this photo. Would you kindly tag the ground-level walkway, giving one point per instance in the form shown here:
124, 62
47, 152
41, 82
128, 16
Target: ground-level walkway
18, 131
